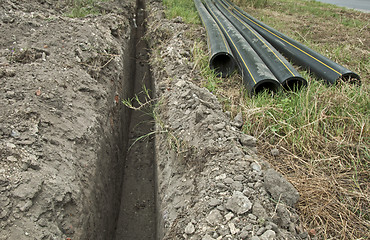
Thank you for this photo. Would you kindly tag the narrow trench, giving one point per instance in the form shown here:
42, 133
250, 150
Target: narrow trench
137, 213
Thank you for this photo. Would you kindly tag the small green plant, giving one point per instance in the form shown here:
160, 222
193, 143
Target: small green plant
151, 106
82, 8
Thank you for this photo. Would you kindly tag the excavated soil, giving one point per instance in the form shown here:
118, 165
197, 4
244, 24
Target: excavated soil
63, 129
76, 163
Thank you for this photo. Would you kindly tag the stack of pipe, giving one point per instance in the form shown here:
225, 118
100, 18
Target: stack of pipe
256, 48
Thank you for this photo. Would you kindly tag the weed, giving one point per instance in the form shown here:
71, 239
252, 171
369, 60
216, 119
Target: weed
184, 9
82, 8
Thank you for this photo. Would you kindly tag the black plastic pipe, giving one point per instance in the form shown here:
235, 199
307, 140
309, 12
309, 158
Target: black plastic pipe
256, 75
221, 60
321, 66
287, 75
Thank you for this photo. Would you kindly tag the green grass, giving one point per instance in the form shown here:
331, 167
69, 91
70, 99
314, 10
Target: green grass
82, 8
253, 3
201, 60
322, 131
184, 9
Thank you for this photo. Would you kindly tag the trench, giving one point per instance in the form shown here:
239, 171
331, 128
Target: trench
137, 211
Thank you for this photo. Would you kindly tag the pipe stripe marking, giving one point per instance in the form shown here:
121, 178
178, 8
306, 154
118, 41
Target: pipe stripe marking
233, 44
222, 35
224, 39
264, 43
286, 41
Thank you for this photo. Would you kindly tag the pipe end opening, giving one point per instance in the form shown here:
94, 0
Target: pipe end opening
269, 85
294, 83
351, 77
223, 64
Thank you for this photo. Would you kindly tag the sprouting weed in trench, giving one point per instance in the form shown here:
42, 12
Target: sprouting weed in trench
140, 101
151, 106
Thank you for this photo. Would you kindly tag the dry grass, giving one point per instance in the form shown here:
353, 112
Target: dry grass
322, 132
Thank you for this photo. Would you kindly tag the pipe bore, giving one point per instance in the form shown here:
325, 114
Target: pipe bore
223, 64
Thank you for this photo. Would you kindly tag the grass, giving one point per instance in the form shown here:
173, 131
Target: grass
82, 8
184, 9
322, 132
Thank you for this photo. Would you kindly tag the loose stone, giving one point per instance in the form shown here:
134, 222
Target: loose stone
238, 203
189, 229
268, 235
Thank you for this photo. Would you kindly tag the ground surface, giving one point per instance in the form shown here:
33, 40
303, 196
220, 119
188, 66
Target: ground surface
211, 183
59, 78
65, 134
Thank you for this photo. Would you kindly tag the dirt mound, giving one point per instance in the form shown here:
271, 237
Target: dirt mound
211, 183
59, 113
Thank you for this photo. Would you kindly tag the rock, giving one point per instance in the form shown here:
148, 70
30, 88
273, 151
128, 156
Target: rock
259, 211
10, 145
26, 206
213, 202
42, 222
15, 134
4, 213
282, 217
214, 217
189, 229
229, 216
228, 180
256, 167
292, 228
238, 203
279, 188
221, 177
268, 235
239, 178
12, 159
260, 231
207, 237
233, 229
243, 234
219, 126
251, 216
238, 186
303, 235
255, 238
272, 226
24, 166
28, 190
180, 83
199, 115
248, 227
238, 120
247, 141
10, 94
